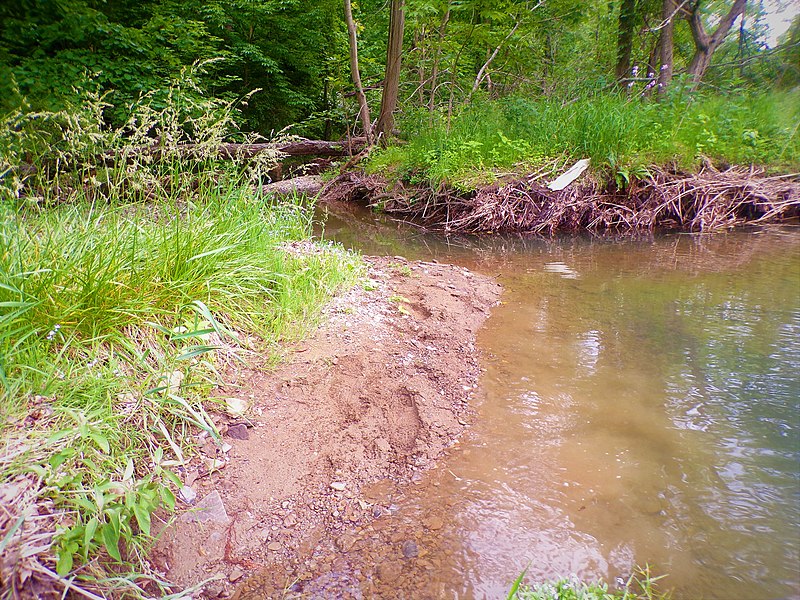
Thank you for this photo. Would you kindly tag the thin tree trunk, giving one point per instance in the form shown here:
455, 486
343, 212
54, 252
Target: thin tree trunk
391, 84
436, 58
670, 7
488, 62
705, 44
419, 44
627, 20
363, 107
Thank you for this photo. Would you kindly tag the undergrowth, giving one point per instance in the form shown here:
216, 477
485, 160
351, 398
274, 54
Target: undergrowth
128, 282
622, 136
642, 585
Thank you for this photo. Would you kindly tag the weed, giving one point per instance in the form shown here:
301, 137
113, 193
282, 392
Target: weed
126, 285
640, 586
622, 137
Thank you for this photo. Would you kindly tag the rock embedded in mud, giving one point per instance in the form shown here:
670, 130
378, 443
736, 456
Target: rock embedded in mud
274, 546
410, 549
238, 432
236, 406
209, 510
187, 494
338, 486
389, 572
345, 542
433, 523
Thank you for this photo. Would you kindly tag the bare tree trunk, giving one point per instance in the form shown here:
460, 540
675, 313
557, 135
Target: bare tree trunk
436, 58
391, 84
670, 8
419, 44
482, 71
363, 107
627, 20
705, 44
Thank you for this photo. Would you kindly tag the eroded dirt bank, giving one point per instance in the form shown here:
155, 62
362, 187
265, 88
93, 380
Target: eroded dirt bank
374, 397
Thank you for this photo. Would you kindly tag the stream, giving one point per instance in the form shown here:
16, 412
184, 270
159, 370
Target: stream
640, 406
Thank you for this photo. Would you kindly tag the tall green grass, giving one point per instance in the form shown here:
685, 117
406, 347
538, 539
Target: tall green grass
617, 134
132, 273
115, 322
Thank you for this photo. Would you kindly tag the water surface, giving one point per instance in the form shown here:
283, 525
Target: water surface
641, 405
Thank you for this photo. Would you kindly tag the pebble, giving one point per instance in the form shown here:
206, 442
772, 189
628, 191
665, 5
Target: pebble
338, 486
238, 432
274, 546
388, 572
410, 549
187, 494
290, 521
345, 542
236, 406
235, 575
433, 523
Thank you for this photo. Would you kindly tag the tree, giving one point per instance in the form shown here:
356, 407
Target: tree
363, 107
706, 44
391, 82
627, 21
669, 10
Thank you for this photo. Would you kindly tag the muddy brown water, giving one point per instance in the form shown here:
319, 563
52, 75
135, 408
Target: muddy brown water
640, 405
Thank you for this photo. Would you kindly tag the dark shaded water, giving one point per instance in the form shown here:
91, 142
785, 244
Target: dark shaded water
641, 405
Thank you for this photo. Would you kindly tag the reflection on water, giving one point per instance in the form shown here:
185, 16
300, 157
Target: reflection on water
642, 405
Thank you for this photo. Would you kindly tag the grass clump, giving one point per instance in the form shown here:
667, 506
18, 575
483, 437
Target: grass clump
621, 136
640, 586
131, 274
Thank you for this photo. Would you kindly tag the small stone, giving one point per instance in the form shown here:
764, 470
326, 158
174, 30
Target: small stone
209, 509
433, 523
338, 486
410, 549
238, 432
274, 546
290, 521
236, 406
345, 542
235, 575
187, 494
388, 572
214, 589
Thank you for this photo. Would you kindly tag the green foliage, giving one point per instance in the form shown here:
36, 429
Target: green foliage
640, 586
125, 282
622, 137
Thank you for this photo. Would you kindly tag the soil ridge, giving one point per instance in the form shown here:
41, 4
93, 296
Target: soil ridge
373, 398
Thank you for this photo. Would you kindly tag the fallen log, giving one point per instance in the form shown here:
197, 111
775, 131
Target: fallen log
226, 151
308, 185
301, 147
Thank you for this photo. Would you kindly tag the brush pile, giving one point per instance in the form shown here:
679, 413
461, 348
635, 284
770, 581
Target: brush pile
709, 200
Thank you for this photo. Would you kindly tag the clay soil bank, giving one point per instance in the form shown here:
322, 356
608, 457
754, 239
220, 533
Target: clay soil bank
373, 398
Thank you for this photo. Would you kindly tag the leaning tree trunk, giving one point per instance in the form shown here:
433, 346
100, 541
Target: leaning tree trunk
363, 107
391, 83
627, 20
669, 9
705, 44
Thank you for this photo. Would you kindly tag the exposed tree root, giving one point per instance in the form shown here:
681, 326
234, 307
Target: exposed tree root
706, 201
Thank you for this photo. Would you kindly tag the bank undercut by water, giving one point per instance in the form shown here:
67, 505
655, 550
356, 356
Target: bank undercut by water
691, 163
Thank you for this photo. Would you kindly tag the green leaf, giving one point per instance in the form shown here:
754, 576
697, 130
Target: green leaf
142, 517
515, 586
101, 441
196, 351
167, 497
111, 541
64, 562
88, 535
